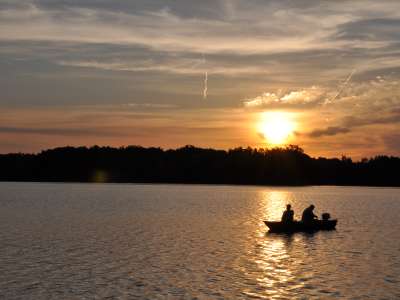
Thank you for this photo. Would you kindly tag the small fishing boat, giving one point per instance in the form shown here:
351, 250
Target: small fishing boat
298, 226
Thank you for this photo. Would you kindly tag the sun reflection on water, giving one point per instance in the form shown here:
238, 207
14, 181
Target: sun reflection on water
274, 265
274, 204
274, 261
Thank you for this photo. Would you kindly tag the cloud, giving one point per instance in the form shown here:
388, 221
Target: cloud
312, 95
391, 117
264, 99
285, 44
392, 141
175, 66
304, 96
350, 122
261, 54
329, 131
53, 131
369, 103
160, 30
253, 28
370, 29
151, 105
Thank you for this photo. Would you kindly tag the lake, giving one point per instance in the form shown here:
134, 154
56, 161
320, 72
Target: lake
128, 241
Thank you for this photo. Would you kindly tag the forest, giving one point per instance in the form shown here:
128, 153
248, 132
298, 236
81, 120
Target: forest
247, 166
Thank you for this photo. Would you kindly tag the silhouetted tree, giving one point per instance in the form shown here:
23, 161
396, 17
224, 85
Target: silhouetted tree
277, 166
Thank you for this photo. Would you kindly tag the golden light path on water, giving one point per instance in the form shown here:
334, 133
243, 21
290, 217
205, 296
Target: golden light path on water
276, 267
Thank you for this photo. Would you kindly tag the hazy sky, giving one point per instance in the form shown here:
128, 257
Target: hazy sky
175, 72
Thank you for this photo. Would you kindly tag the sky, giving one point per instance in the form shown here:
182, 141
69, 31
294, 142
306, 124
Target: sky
323, 75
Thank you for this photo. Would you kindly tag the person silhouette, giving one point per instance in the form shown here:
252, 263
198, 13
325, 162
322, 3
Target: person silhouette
288, 214
308, 214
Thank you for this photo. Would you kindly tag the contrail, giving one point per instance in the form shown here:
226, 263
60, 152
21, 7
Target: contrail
205, 85
205, 78
344, 85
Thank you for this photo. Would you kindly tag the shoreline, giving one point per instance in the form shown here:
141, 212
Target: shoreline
201, 184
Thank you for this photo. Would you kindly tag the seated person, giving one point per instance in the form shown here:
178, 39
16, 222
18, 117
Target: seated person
288, 214
308, 214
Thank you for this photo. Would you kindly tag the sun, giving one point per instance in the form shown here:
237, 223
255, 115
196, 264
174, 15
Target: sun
276, 127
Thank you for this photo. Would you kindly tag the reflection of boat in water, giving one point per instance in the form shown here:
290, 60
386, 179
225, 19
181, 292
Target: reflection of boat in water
297, 226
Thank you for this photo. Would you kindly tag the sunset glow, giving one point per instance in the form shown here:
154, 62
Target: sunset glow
276, 128
172, 73
181, 149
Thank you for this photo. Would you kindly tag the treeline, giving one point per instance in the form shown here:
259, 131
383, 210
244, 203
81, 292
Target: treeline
277, 166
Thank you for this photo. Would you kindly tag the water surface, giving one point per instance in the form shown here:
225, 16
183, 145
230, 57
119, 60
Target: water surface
122, 241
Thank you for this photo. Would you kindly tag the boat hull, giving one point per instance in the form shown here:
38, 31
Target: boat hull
298, 226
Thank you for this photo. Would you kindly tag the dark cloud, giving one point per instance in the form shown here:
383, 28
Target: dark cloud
350, 122
187, 9
386, 118
205, 9
329, 131
370, 30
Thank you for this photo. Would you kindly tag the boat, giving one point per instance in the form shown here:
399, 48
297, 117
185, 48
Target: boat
299, 226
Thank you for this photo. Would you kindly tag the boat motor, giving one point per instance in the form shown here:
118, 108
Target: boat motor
326, 216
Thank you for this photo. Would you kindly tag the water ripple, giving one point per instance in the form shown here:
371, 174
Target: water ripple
77, 241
